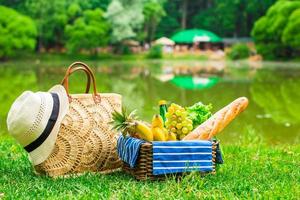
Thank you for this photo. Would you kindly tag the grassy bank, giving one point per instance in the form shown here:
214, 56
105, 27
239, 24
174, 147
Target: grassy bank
103, 56
251, 170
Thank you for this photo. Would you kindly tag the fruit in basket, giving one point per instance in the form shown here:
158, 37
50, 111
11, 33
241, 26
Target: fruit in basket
178, 122
172, 137
159, 132
128, 124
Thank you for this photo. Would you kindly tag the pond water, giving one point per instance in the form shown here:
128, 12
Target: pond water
272, 88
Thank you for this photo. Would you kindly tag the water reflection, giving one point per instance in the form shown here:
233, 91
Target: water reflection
190, 82
277, 92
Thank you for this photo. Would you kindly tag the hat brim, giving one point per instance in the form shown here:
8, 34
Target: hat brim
41, 153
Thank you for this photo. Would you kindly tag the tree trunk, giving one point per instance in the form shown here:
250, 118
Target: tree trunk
40, 44
153, 29
184, 13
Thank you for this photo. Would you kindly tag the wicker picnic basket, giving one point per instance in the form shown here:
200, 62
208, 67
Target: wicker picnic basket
143, 169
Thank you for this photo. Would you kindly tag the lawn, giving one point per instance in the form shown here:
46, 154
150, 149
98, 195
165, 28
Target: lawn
252, 169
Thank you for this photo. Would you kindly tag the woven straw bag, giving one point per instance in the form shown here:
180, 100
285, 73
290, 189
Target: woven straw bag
85, 141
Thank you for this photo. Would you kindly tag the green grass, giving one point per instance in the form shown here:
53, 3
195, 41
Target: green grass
251, 170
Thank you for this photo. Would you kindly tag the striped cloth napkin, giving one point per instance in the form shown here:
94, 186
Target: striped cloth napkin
128, 149
182, 156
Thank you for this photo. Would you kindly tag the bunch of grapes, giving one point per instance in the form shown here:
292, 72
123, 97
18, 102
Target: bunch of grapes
177, 121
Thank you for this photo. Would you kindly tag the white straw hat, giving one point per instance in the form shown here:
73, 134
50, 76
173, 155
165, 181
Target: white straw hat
34, 120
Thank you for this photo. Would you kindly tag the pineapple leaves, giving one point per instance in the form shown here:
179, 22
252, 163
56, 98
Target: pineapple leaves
123, 121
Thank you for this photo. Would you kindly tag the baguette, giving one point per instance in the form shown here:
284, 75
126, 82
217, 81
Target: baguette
218, 121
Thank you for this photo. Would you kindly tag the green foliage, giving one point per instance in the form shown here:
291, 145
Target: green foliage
145, 20
17, 32
155, 52
50, 18
239, 51
291, 34
126, 18
88, 32
169, 24
124, 49
199, 113
277, 34
220, 18
153, 12
230, 18
227, 18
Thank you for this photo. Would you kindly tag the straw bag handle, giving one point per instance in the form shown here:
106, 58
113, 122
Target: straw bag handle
81, 66
88, 84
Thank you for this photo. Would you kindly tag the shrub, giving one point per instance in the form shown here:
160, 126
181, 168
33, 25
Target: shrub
239, 51
17, 32
88, 32
277, 34
155, 52
124, 49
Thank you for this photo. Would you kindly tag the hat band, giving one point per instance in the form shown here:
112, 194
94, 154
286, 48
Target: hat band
51, 122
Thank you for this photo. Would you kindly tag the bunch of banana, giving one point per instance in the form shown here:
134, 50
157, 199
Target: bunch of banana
128, 124
160, 133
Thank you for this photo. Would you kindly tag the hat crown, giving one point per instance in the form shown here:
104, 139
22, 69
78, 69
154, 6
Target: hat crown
24, 121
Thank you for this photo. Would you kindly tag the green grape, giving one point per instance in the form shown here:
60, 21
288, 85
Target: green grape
189, 121
171, 110
179, 132
179, 125
167, 123
177, 121
174, 123
185, 130
181, 136
174, 117
168, 115
178, 112
190, 127
173, 130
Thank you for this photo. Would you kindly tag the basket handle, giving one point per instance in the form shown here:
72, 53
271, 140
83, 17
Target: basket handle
76, 66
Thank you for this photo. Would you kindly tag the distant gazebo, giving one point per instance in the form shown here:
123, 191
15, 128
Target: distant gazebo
200, 37
166, 43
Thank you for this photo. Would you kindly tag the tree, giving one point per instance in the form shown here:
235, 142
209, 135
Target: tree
277, 34
291, 34
17, 32
51, 18
226, 17
88, 32
170, 23
184, 10
126, 18
153, 12
239, 51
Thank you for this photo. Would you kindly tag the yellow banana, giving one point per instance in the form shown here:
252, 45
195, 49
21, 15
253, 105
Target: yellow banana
157, 121
172, 137
143, 131
159, 132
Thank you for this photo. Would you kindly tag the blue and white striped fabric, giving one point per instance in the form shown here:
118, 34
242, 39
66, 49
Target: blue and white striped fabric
182, 156
128, 149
